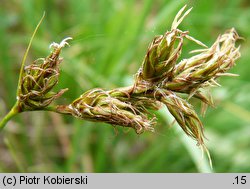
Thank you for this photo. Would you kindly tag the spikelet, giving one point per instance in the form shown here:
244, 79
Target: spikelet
39, 78
99, 106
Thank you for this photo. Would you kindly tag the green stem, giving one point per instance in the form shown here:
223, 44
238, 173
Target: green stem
60, 109
14, 110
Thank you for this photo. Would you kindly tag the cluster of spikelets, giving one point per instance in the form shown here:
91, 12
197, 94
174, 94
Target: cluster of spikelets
159, 81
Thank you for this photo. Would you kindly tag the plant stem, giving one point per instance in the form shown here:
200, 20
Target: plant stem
60, 109
14, 110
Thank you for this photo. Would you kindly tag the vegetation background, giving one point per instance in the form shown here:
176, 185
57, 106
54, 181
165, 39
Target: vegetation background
110, 41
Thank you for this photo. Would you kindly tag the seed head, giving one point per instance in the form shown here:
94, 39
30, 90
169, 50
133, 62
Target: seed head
164, 51
162, 77
39, 78
100, 106
191, 75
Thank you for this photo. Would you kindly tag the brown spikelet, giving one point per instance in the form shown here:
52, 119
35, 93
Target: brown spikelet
99, 106
39, 78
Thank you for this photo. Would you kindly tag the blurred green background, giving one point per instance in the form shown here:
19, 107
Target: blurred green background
110, 40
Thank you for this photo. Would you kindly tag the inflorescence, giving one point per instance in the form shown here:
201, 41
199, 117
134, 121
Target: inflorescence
159, 81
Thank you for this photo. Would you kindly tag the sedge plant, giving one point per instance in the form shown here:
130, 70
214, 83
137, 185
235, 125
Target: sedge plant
162, 80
